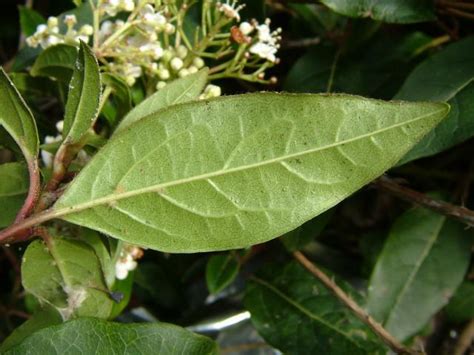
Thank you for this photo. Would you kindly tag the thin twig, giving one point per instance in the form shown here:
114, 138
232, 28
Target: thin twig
460, 13
465, 340
459, 213
376, 327
300, 43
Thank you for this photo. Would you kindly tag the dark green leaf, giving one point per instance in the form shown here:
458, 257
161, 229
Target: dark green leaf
93, 336
421, 265
68, 276
391, 11
13, 189
84, 96
57, 62
25, 58
374, 69
299, 237
447, 75
461, 306
221, 270
29, 20
122, 97
239, 170
37, 86
17, 119
179, 91
43, 318
297, 314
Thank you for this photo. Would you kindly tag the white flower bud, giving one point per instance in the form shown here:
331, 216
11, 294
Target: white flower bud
127, 5
52, 21
167, 56
183, 72
213, 90
86, 30
60, 126
176, 63
164, 74
192, 69
198, 62
246, 28
182, 52
160, 85
169, 28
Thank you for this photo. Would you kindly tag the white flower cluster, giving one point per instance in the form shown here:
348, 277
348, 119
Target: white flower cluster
267, 42
127, 261
230, 9
113, 7
48, 35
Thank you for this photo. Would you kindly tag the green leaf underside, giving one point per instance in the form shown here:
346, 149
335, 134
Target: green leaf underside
221, 270
56, 61
17, 119
93, 336
401, 11
29, 20
423, 262
84, 96
178, 91
237, 171
298, 315
68, 276
13, 189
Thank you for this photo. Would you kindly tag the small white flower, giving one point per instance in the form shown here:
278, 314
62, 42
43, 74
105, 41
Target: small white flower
182, 52
127, 261
169, 28
230, 9
246, 28
176, 63
49, 41
160, 85
106, 29
152, 20
52, 22
154, 49
198, 62
192, 69
264, 50
164, 74
127, 5
86, 30
183, 72
70, 20
60, 126
46, 156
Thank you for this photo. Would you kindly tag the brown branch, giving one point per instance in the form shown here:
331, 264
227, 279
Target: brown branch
376, 327
33, 191
465, 340
459, 213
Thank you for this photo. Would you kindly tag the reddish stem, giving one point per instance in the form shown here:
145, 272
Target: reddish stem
33, 191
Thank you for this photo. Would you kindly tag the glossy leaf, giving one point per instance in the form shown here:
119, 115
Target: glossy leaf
422, 263
178, 91
461, 306
376, 69
299, 237
447, 75
239, 170
43, 318
68, 276
56, 61
221, 270
17, 119
295, 313
29, 20
392, 11
13, 189
93, 336
82, 105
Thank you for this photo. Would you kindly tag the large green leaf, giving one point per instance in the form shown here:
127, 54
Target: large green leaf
392, 11
17, 119
179, 91
82, 105
422, 263
239, 170
56, 61
93, 336
295, 313
13, 189
447, 75
67, 275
